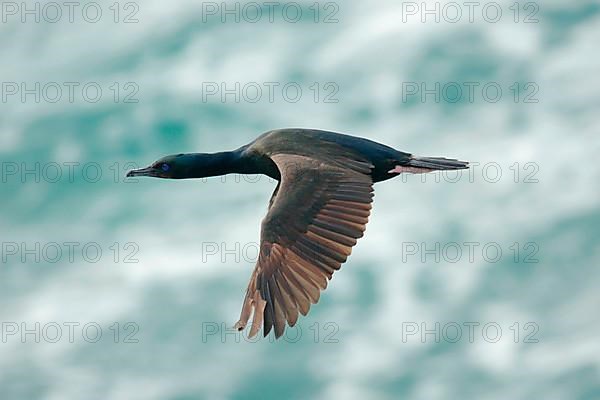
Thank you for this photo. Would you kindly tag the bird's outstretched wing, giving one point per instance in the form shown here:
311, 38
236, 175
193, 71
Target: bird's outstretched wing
318, 212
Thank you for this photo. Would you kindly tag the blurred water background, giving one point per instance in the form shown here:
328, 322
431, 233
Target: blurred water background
532, 194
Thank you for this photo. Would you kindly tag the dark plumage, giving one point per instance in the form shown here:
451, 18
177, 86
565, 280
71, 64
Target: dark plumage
316, 214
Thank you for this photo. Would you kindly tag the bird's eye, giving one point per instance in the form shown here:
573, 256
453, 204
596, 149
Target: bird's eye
165, 167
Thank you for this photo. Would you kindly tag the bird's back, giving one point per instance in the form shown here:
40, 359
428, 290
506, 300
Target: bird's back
326, 146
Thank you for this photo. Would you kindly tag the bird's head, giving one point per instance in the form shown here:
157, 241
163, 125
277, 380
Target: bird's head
191, 165
169, 167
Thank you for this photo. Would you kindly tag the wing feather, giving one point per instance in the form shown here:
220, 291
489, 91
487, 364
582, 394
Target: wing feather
316, 215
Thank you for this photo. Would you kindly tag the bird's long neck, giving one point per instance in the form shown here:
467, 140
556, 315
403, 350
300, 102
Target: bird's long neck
202, 165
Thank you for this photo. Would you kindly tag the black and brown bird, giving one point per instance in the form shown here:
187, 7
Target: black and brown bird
317, 212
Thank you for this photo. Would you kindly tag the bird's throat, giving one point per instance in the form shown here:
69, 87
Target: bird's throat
204, 165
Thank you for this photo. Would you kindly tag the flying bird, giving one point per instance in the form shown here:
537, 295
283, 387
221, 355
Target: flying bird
317, 212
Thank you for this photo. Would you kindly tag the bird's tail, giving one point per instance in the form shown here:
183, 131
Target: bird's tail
418, 165
437, 163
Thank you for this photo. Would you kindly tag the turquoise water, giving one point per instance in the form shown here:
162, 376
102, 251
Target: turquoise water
506, 256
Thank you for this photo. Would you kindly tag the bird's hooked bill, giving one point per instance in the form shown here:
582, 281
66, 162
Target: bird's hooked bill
148, 171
